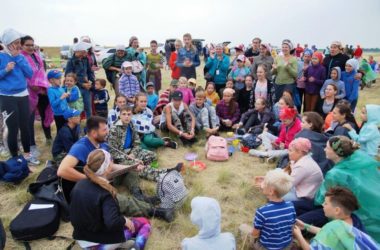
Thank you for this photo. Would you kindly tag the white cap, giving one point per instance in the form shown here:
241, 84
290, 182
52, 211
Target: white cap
9, 36
126, 64
81, 46
120, 47
241, 58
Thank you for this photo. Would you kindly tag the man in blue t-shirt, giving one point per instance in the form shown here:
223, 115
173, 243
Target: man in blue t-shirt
70, 170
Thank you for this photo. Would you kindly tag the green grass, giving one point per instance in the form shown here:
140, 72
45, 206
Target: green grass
229, 182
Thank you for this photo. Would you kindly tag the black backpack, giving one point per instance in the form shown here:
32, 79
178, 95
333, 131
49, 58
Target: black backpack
251, 141
38, 219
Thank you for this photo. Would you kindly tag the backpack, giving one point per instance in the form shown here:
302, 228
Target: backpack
14, 170
38, 219
47, 187
137, 66
251, 141
216, 149
171, 189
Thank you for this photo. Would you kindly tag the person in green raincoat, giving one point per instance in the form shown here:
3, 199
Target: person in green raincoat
358, 172
134, 53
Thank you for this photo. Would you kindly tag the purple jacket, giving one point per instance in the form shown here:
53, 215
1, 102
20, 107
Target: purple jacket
319, 73
222, 111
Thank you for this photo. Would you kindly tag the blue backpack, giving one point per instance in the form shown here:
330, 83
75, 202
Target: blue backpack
14, 170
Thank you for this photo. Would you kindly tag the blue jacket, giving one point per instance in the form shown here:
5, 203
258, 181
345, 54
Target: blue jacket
183, 54
351, 85
102, 96
82, 68
214, 65
369, 135
14, 81
57, 105
152, 101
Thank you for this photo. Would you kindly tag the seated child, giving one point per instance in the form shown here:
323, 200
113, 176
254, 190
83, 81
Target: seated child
178, 119
253, 121
339, 205
187, 93
206, 215
101, 98
339, 84
228, 110
229, 85
57, 98
205, 114
164, 99
211, 94
129, 85
142, 119
152, 96
124, 143
278, 146
286, 101
66, 136
95, 213
273, 222
307, 175
246, 96
369, 135
113, 114
75, 99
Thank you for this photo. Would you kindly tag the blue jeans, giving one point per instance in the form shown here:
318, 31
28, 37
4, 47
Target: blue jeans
86, 95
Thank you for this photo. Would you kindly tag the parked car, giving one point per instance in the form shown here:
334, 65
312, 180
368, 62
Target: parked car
101, 55
65, 52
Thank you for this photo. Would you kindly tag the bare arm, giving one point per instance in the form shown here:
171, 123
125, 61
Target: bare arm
67, 169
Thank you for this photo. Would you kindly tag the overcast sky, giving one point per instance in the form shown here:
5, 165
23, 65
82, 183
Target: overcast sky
110, 22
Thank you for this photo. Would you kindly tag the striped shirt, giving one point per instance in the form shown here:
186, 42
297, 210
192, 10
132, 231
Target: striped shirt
275, 221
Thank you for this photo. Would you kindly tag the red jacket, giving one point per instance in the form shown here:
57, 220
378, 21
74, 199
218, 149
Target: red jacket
287, 134
358, 52
176, 71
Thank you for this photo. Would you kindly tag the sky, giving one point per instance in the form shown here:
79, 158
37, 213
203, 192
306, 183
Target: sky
111, 22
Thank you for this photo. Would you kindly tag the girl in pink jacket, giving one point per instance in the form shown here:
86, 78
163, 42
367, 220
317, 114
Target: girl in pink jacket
187, 92
278, 146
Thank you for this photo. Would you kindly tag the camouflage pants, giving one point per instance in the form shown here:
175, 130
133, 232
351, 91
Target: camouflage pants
147, 157
182, 122
130, 206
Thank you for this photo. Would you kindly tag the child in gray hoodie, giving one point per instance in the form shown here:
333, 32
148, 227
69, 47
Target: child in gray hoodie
335, 79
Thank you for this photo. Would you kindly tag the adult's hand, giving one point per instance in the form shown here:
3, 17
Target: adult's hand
10, 66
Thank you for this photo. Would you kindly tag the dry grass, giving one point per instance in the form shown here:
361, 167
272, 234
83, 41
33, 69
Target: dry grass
228, 182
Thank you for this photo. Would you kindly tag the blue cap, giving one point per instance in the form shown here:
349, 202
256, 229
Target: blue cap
54, 74
177, 95
69, 113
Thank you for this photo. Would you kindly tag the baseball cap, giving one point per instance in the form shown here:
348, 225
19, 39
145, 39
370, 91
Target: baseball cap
192, 80
69, 113
56, 74
174, 83
149, 84
241, 58
240, 47
177, 95
126, 64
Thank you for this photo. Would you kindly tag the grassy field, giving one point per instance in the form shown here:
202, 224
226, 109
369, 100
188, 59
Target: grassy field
228, 182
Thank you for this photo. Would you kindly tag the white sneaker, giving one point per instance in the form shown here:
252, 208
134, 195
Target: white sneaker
32, 160
257, 153
34, 151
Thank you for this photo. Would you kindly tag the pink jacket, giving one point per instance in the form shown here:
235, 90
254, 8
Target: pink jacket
39, 79
287, 134
307, 177
187, 95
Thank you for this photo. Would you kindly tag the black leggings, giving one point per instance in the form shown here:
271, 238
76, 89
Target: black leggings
43, 103
17, 110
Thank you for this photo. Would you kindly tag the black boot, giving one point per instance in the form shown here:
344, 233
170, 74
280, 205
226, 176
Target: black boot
178, 167
167, 214
138, 194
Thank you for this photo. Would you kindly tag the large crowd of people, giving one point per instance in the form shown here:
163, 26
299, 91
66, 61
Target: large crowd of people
299, 102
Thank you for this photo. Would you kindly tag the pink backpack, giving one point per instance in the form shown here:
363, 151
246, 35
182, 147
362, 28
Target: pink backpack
217, 149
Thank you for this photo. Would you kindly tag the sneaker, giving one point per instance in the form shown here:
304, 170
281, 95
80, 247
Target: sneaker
172, 144
32, 160
34, 151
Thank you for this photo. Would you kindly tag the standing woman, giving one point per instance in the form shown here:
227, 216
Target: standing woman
134, 53
217, 65
285, 69
176, 71
37, 88
335, 59
188, 58
14, 96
